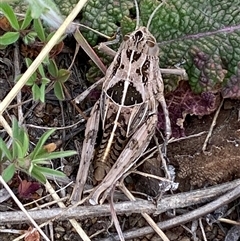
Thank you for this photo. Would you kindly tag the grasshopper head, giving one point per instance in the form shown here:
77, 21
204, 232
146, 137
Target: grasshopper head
143, 41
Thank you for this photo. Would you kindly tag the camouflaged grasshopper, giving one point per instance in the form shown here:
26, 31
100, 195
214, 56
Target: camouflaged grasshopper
131, 92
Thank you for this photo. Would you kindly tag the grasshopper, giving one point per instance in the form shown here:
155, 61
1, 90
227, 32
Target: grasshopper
132, 89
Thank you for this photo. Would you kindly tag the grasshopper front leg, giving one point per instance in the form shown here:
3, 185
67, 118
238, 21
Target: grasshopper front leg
159, 93
168, 129
85, 93
87, 152
133, 150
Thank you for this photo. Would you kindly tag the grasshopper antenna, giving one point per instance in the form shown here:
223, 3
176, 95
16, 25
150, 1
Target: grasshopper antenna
137, 13
153, 13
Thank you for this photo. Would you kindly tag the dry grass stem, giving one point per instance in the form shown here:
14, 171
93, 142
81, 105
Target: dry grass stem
214, 122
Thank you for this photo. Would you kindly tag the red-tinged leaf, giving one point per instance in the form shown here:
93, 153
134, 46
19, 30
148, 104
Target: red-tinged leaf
32, 235
27, 189
182, 102
232, 88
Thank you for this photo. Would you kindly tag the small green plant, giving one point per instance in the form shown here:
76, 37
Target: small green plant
18, 157
31, 31
23, 28
59, 76
37, 81
18, 27
40, 79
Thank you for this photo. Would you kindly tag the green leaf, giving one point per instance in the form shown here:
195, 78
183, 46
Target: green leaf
46, 60
45, 81
27, 20
49, 171
35, 173
2, 47
2, 159
32, 79
41, 161
9, 38
58, 91
63, 75
53, 155
39, 147
19, 149
39, 29
50, 36
36, 92
127, 25
9, 172
52, 68
203, 41
48, 11
66, 6
28, 168
28, 62
30, 38
201, 37
42, 93
15, 144
104, 16
5, 150
23, 137
41, 70
10, 15
36, 8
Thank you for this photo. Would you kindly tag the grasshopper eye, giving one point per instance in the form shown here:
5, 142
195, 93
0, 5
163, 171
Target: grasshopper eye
126, 37
150, 43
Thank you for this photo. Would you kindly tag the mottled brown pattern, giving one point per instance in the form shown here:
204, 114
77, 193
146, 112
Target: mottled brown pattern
216, 167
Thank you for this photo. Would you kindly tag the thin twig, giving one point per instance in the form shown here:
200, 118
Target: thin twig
202, 229
144, 174
114, 216
145, 215
74, 223
164, 164
212, 126
197, 213
229, 221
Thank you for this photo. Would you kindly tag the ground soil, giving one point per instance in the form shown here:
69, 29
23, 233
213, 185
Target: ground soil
194, 168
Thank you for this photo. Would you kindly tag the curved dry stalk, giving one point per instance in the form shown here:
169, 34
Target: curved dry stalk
89, 51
